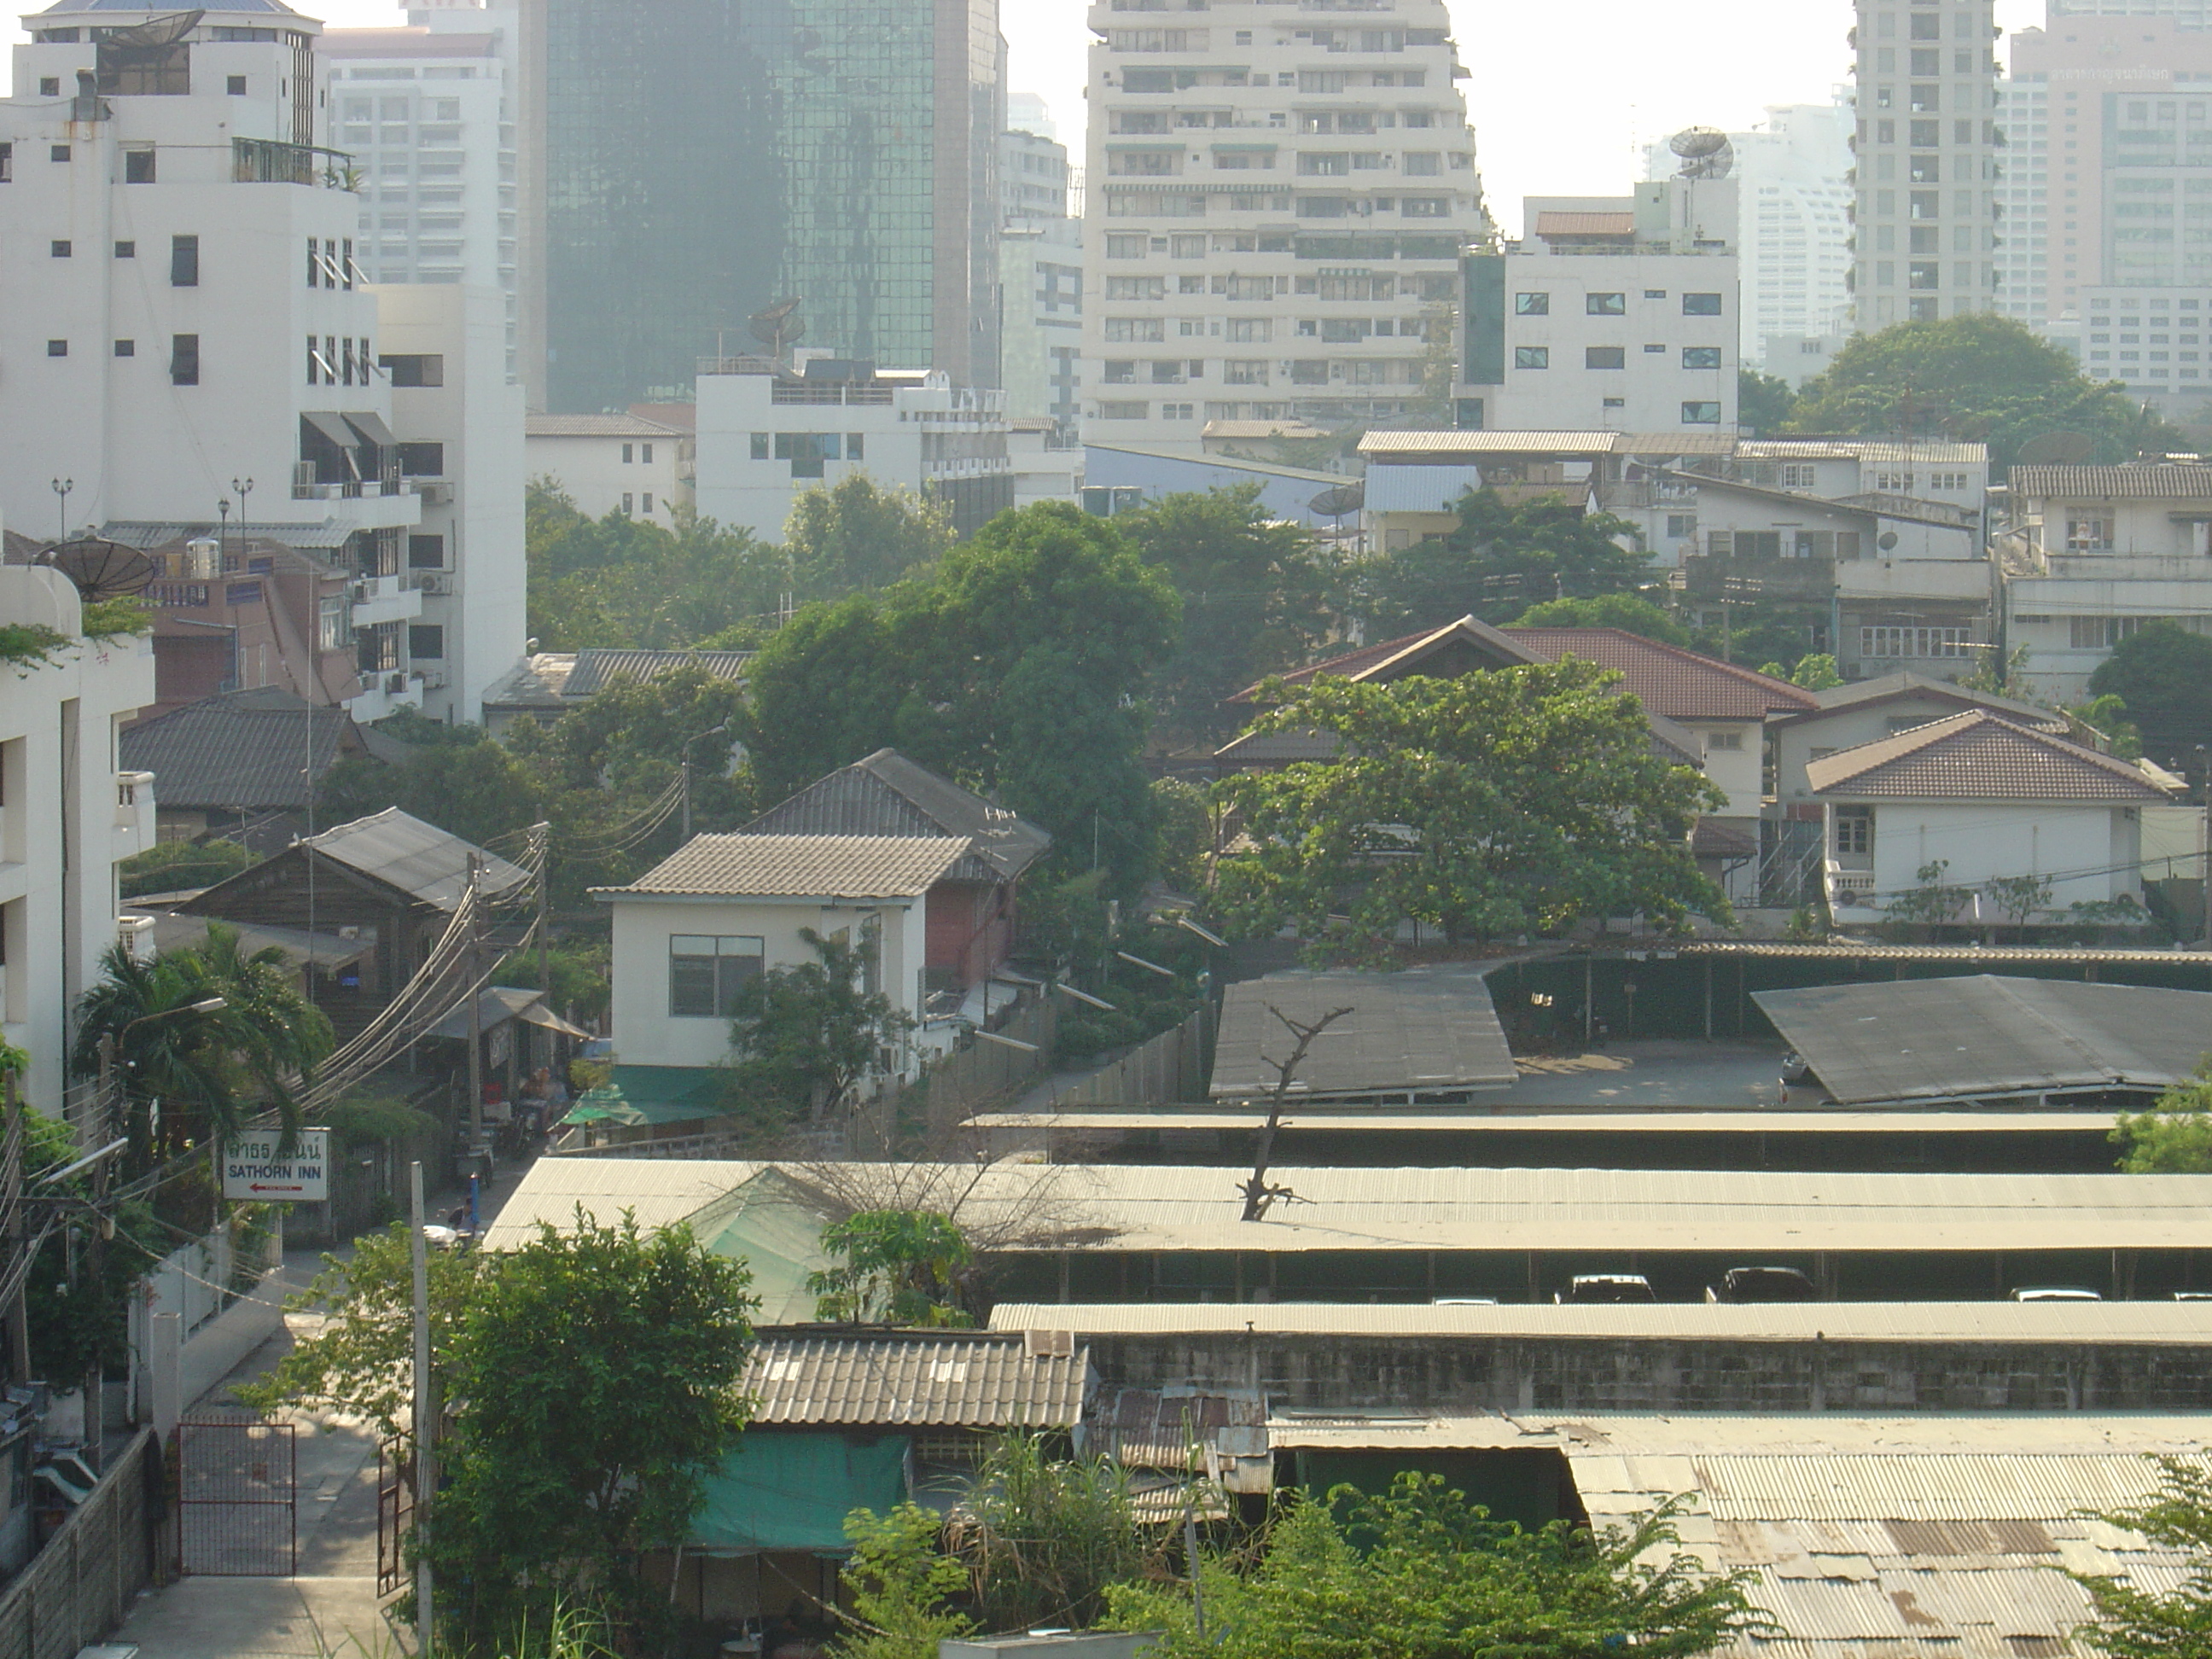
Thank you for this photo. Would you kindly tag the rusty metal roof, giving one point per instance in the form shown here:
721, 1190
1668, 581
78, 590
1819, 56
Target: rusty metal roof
943, 1379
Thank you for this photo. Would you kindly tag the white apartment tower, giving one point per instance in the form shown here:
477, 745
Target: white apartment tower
1928, 173
1276, 204
1794, 200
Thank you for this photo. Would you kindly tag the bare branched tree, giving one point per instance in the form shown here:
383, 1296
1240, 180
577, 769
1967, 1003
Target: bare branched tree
1259, 1192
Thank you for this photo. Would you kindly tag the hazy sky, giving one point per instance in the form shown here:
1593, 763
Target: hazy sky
1564, 92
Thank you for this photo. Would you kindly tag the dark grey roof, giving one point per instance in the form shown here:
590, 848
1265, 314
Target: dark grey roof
887, 795
1985, 1035
1888, 687
597, 669
935, 1378
1421, 1031
419, 859
240, 752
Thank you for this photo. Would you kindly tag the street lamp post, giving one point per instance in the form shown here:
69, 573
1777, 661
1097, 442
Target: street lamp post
241, 487
61, 487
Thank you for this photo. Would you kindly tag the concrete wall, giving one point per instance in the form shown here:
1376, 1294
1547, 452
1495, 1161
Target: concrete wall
2092, 849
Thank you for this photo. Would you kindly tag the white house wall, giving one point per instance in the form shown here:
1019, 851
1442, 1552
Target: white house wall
2092, 851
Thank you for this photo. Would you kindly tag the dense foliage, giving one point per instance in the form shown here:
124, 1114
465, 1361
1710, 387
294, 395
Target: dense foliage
804, 1035
169, 865
1628, 613
1496, 803
627, 581
2175, 1136
857, 535
905, 1267
2163, 678
2135, 1621
1500, 559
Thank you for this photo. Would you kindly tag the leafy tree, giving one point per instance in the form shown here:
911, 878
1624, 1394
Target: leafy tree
1981, 378
2000, 673
474, 788
899, 1584
900, 1268
805, 1035
858, 536
582, 969
1763, 403
1048, 1534
591, 1382
2135, 1622
169, 865
1255, 597
2175, 1136
1626, 611
1491, 803
78, 1312
1422, 1574
2163, 678
1500, 559
1932, 902
2019, 897
2108, 716
1183, 834
1816, 673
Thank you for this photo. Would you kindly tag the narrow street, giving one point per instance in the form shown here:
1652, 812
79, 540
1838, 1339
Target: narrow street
329, 1609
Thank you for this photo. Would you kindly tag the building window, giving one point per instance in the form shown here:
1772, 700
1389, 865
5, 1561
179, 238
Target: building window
425, 552
1854, 831
234, 86
1701, 356
647, 499
1682, 527
1724, 740
184, 360
419, 368
1701, 305
629, 504
645, 456
1701, 413
1532, 305
425, 639
138, 166
1532, 357
422, 460
1604, 357
126, 249
57, 152
1606, 305
627, 456
58, 347
184, 262
126, 347
1915, 643
334, 623
2088, 535
1796, 475
705, 971
6, 163
760, 447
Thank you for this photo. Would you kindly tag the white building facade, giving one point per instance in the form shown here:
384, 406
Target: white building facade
2157, 340
614, 463
1794, 228
1275, 204
67, 816
1928, 154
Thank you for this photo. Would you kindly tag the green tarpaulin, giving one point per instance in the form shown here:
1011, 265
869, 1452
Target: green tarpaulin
651, 1096
793, 1492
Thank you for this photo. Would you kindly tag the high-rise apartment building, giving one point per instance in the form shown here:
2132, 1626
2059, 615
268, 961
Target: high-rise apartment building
1041, 251
688, 164
428, 113
1275, 205
1928, 150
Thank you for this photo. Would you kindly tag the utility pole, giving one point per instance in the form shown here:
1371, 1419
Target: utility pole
684, 822
426, 1414
474, 900
11, 1196
541, 844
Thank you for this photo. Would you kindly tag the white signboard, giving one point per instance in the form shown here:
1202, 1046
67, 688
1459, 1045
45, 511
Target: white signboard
253, 1171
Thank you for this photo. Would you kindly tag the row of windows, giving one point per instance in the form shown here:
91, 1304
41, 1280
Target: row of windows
330, 264
333, 360
1614, 356
184, 356
1616, 305
184, 258
808, 451
1309, 371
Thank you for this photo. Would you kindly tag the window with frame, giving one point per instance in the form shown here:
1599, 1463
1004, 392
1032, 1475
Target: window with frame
1605, 357
1701, 356
2088, 535
426, 641
1532, 305
415, 368
1532, 357
184, 360
1854, 831
1914, 641
1701, 305
707, 970
425, 552
138, 165
184, 262
1800, 475
1606, 305
333, 623
1701, 412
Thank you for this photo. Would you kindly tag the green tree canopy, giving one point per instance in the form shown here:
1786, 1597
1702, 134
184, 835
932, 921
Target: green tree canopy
1502, 558
2135, 1621
1497, 803
900, 1268
1256, 597
1979, 378
469, 785
1763, 402
1626, 611
1421, 1573
2175, 1136
804, 1035
2163, 678
856, 536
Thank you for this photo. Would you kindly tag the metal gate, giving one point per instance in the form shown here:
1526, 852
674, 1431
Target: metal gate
395, 1514
237, 1479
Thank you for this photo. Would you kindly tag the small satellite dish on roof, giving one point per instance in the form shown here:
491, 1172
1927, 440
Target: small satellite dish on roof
779, 328
101, 569
1887, 541
1704, 153
2058, 449
1338, 502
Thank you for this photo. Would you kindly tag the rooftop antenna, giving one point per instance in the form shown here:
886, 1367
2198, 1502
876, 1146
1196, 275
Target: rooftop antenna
99, 569
1704, 152
779, 328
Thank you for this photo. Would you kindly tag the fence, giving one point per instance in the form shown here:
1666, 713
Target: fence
78, 1588
983, 1073
1169, 1069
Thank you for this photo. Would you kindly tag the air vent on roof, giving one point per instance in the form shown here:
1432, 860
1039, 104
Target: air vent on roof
1050, 1345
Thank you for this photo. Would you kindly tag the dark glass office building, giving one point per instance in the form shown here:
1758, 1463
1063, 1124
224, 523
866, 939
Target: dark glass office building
687, 163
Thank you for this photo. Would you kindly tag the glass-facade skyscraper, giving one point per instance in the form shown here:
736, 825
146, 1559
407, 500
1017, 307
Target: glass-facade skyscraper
691, 162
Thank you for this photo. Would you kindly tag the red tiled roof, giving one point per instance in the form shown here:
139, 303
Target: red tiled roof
1667, 679
1560, 223
1978, 756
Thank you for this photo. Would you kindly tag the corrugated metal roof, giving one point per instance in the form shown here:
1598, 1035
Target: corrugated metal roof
595, 670
1578, 444
2185, 483
887, 795
1978, 756
2187, 1324
1422, 1030
239, 752
1881, 451
1680, 684
1504, 1118
1868, 950
418, 859
900, 1378
1983, 1035
1921, 1486
661, 1191
150, 535
537, 681
1409, 652
798, 866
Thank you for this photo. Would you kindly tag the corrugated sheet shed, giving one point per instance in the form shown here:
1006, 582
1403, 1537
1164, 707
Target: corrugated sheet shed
1222, 1436
1987, 1035
886, 794
1417, 1032
418, 859
914, 1379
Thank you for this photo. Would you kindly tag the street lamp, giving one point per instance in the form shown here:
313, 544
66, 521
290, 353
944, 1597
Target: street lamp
61, 487
241, 487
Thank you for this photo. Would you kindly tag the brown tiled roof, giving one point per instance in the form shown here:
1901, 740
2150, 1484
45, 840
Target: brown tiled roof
2181, 483
1561, 223
1403, 653
1667, 679
1978, 756
801, 867
897, 1378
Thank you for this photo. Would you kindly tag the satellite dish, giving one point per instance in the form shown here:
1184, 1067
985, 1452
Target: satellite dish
1704, 152
1887, 541
101, 569
779, 328
2058, 449
1339, 502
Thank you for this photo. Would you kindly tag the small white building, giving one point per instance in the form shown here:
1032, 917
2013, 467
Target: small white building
67, 816
766, 433
1989, 800
613, 463
2089, 555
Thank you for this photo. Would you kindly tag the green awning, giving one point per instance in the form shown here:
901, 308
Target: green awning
651, 1097
793, 1492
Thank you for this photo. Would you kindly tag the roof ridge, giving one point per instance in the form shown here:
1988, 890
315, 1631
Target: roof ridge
1920, 739
1683, 654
